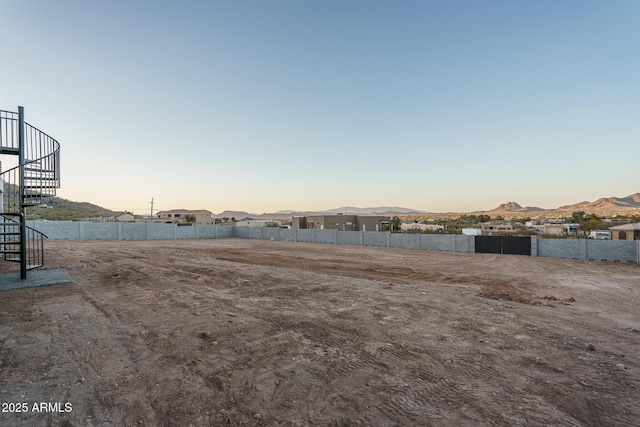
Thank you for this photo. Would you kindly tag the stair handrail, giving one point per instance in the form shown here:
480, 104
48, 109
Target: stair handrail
5, 216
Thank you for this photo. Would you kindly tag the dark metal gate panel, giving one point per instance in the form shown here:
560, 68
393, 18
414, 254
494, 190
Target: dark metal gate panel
488, 244
503, 245
516, 245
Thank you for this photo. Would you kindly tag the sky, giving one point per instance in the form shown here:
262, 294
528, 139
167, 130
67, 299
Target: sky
261, 106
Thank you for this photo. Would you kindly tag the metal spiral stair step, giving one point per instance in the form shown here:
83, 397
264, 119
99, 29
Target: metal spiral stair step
40, 186
40, 178
30, 169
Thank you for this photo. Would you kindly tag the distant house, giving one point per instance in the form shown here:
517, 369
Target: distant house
614, 219
117, 217
342, 222
179, 216
626, 231
493, 228
472, 231
571, 228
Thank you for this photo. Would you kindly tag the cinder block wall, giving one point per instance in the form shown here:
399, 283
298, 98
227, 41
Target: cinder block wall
87, 230
586, 249
582, 249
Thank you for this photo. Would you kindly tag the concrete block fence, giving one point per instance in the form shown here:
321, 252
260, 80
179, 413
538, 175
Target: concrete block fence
592, 250
86, 230
448, 243
582, 249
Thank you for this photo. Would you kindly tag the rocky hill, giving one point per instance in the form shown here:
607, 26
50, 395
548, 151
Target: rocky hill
59, 209
514, 207
605, 203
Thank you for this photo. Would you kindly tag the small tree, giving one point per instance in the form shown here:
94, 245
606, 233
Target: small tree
484, 218
395, 222
190, 219
271, 224
577, 217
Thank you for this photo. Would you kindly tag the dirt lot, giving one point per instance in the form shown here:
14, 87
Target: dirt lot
245, 332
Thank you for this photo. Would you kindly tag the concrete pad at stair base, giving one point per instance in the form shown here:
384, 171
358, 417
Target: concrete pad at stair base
34, 278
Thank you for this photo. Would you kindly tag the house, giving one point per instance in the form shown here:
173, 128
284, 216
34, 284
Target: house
472, 231
571, 228
179, 216
614, 219
491, 228
626, 231
560, 229
342, 222
117, 217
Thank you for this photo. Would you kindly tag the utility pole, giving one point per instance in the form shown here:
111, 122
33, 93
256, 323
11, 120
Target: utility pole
151, 219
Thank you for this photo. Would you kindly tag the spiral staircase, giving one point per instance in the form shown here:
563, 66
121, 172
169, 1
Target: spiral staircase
36, 177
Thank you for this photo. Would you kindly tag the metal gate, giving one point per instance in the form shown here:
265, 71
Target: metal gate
514, 245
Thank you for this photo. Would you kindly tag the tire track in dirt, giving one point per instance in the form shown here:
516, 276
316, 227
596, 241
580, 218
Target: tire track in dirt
112, 328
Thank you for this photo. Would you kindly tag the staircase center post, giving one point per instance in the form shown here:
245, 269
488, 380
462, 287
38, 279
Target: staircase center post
23, 216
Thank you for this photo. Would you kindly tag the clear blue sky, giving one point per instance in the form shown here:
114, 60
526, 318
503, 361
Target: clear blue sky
270, 105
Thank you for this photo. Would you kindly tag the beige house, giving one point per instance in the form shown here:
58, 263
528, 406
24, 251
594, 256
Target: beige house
117, 217
179, 216
626, 231
342, 222
492, 228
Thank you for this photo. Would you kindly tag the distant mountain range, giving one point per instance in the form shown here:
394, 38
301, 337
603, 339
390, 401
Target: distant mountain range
347, 210
601, 205
631, 201
61, 209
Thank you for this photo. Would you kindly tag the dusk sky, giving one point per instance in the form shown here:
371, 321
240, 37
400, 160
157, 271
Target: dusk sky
307, 105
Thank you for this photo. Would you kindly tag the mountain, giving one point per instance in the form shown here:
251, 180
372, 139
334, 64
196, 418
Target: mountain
605, 203
511, 207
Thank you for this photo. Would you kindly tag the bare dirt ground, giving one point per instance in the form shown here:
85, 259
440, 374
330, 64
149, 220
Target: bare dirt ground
246, 332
